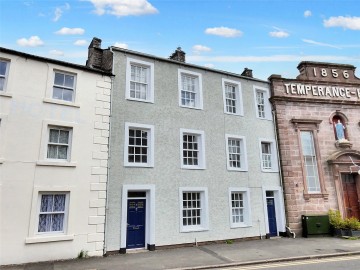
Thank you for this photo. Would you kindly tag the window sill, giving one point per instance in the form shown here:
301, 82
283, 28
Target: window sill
307, 196
192, 167
189, 107
140, 100
55, 163
269, 171
193, 229
5, 94
2, 160
235, 114
136, 165
234, 226
61, 102
52, 238
237, 169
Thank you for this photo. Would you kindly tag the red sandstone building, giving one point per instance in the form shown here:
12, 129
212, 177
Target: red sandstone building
318, 124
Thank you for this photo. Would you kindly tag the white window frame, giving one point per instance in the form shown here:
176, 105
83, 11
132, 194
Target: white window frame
57, 71
274, 158
238, 99
204, 217
247, 209
68, 152
66, 235
43, 160
150, 153
314, 163
201, 148
243, 151
267, 106
150, 76
5, 76
66, 213
198, 91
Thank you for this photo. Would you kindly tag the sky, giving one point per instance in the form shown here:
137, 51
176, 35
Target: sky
267, 36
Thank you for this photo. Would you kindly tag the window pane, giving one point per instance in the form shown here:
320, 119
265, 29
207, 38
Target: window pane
54, 135
59, 79
69, 81
64, 136
67, 94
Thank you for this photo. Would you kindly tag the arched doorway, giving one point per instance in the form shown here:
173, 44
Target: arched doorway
345, 168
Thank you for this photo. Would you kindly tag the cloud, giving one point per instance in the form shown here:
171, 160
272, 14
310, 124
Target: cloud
59, 11
307, 13
352, 23
223, 32
200, 48
271, 58
121, 45
70, 31
279, 34
80, 42
56, 53
121, 8
320, 43
33, 41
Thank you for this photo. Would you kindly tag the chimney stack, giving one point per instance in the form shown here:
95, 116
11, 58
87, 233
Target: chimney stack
97, 57
247, 73
178, 55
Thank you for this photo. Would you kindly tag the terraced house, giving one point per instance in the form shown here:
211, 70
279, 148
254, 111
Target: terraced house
54, 130
193, 154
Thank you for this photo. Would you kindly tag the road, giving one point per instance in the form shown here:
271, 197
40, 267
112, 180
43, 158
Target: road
332, 263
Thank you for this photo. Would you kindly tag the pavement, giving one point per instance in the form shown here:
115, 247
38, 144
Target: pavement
210, 256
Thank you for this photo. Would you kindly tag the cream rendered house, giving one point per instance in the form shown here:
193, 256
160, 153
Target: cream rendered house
54, 134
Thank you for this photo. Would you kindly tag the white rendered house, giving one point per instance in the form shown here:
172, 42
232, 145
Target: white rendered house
54, 133
193, 155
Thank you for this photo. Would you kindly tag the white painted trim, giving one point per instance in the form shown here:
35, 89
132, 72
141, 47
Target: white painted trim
43, 160
205, 209
266, 91
247, 208
33, 235
279, 208
150, 213
274, 157
61, 102
199, 97
151, 92
151, 149
244, 167
239, 99
202, 161
4, 92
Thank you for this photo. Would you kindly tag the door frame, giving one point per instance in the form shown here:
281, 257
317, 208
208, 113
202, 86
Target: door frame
279, 209
149, 218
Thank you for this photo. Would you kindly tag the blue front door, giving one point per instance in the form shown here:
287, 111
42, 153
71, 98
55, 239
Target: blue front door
271, 216
136, 214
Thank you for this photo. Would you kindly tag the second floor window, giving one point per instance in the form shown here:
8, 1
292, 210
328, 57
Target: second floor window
260, 101
4, 66
232, 97
193, 149
266, 155
190, 89
64, 86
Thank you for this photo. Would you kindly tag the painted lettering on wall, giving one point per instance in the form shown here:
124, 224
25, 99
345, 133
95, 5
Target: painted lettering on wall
321, 90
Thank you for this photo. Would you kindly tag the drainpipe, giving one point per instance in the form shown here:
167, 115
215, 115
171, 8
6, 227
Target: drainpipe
279, 163
109, 157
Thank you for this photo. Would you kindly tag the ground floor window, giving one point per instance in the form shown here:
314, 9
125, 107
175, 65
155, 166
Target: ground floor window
194, 210
239, 201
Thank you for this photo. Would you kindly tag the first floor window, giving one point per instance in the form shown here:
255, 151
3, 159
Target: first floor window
232, 97
59, 143
64, 86
266, 155
260, 101
310, 161
194, 216
52, 212
139, 145
192, 152
236, 153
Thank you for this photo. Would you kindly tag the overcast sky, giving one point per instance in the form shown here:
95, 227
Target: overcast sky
267, 36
